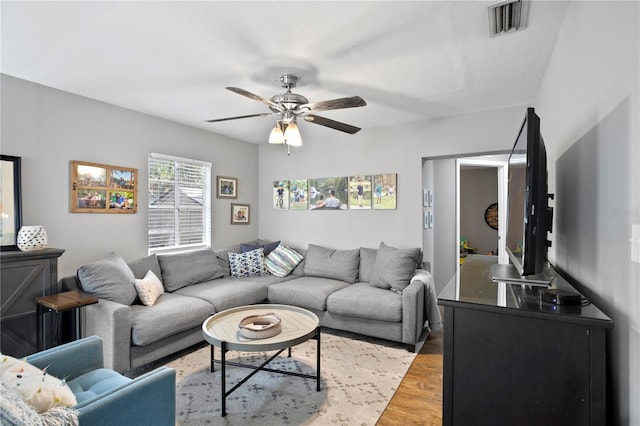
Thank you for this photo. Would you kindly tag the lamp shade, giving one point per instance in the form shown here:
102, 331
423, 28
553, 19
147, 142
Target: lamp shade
292, 135
276, 135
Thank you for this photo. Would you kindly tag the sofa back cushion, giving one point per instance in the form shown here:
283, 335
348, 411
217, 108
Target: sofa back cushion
394, 267
109, 278
367, 263
141, 266
192, 267
324, 262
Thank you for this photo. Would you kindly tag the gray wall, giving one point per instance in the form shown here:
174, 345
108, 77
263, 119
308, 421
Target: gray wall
49, 128
398, 149
478, 190
590, 116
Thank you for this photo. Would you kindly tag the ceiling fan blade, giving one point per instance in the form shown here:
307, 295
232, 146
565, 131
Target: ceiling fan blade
351, 102
343, 127
255, 97
264, 114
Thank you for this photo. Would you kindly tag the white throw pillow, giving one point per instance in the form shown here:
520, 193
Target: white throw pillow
149, 288
37, 388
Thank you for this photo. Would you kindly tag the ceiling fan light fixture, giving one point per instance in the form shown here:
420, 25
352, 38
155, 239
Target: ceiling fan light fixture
292, 134
276, 136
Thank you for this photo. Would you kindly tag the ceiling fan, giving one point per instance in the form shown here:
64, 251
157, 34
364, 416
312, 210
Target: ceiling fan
291, 105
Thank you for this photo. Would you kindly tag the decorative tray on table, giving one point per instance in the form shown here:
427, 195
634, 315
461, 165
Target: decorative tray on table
260, 326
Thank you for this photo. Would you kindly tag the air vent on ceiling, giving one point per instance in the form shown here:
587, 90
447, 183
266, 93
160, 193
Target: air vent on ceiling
506, 17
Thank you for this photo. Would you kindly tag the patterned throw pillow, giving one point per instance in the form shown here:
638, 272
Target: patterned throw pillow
37, 388
149, 288
247, 264
282, 260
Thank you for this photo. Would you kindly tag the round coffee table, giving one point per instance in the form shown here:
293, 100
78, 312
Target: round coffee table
221, 330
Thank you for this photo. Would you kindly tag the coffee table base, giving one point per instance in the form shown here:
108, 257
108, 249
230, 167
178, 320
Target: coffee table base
263, 367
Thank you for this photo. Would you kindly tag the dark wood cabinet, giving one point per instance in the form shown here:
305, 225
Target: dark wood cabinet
23, 277
511, 358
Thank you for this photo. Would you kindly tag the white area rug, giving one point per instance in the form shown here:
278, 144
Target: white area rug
358, 379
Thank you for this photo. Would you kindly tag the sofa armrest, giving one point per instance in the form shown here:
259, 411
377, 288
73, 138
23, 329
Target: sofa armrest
413, 312
111, 321
149, 399
71, 359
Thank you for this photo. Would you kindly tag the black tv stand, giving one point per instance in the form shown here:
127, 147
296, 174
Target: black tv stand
509, 274
511, 358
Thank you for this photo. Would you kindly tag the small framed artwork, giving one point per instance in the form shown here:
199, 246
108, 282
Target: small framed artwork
360, 192
428, 220
101, 188
226, 187
427, 198
281, 195
384, 187
299, 194
239, 214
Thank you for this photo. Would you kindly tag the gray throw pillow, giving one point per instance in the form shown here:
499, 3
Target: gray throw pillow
340, 265
109, 278
394, 267
141, 266
367, 263
191, 267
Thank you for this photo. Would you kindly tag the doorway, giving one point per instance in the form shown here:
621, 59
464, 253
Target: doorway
481, 193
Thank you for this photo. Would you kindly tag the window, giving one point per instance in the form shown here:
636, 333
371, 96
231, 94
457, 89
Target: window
179, 204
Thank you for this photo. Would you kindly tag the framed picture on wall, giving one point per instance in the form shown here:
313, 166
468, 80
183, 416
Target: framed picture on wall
226, 187
280, 195
101, 188
299, 194
360, 191
240, 214
384, 191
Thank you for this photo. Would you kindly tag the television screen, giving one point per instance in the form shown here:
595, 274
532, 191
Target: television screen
516, 206
528, 214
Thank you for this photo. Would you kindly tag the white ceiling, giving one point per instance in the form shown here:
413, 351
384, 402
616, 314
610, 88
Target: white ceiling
409, 60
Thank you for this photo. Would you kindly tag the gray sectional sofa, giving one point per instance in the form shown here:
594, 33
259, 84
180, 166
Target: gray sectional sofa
375, 292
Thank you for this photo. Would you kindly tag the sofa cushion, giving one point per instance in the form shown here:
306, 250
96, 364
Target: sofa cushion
225, 293
395, 267
192, 267
283, 260
247, 264
268, 247
329, 263
171, 314
364, 301
149, 288
305, 292
141, 266
367, 263
96, 382
109, 278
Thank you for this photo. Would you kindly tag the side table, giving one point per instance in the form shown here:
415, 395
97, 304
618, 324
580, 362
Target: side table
61, 302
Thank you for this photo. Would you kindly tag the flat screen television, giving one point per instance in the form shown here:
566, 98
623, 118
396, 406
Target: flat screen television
529, 216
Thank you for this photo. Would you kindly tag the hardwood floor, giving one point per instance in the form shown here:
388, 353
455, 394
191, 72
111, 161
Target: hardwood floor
418, 400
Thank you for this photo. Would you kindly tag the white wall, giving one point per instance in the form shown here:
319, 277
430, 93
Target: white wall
49, 128
589, 110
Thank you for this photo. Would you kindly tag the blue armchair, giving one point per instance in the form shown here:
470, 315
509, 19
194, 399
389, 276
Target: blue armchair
105, 396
